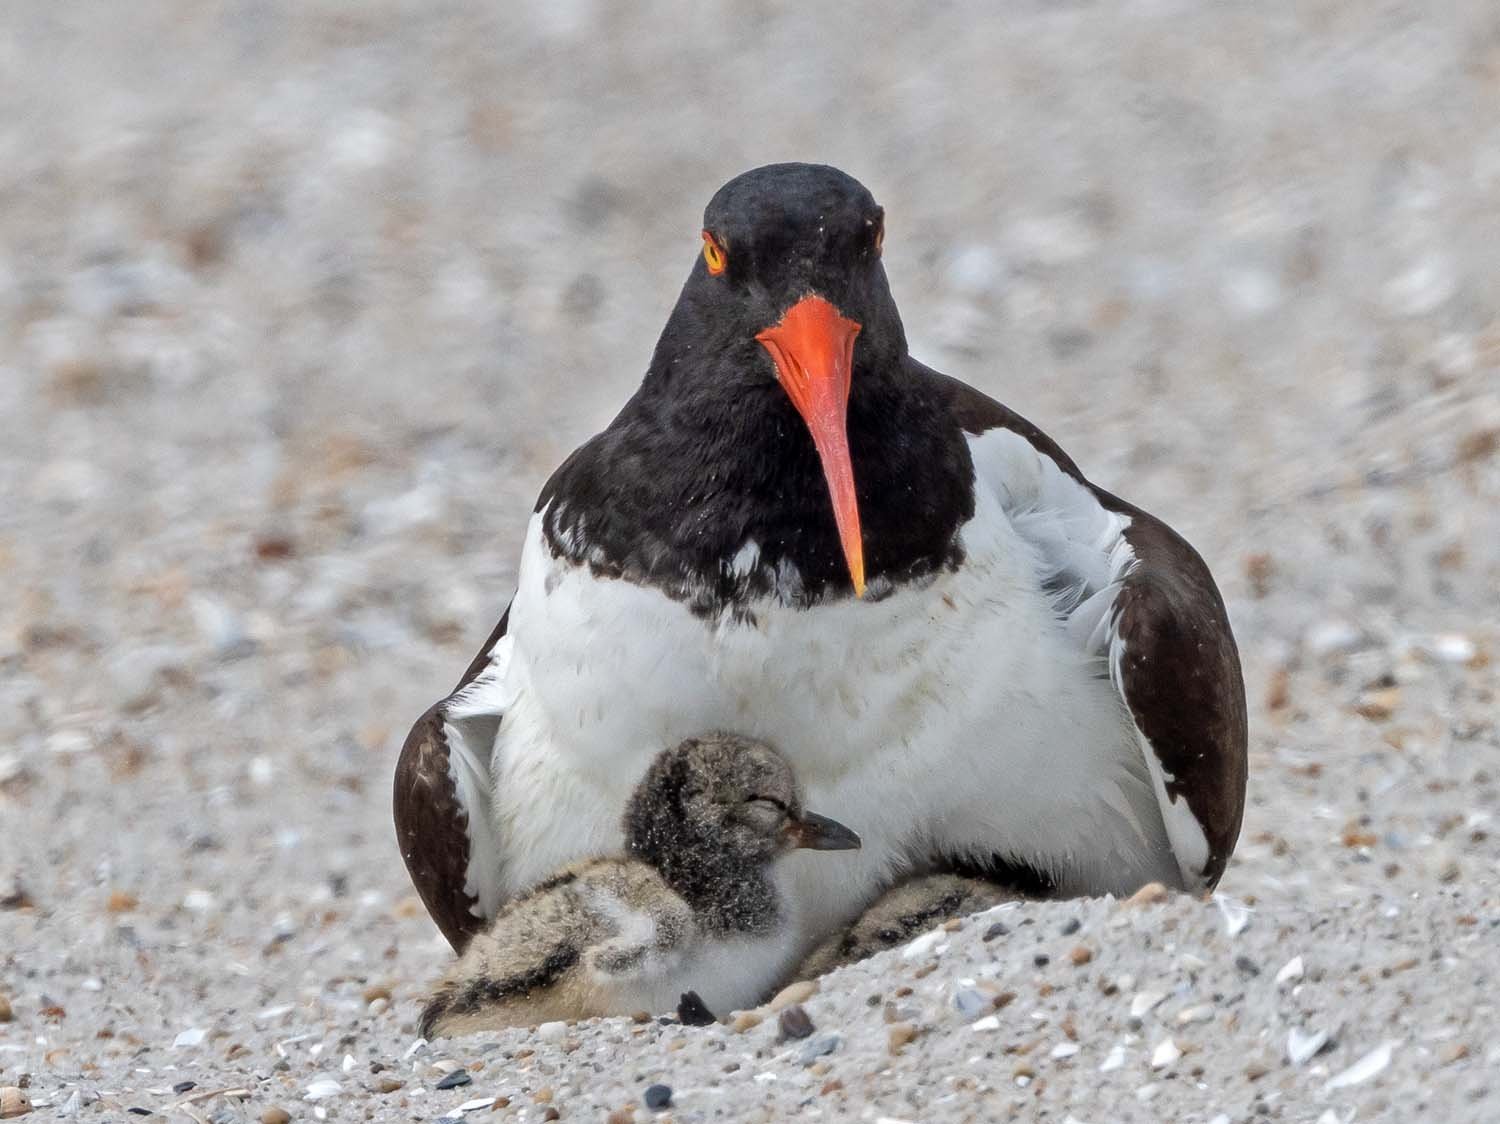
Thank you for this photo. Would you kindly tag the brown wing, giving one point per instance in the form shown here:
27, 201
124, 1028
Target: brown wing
1180, 670
432, 823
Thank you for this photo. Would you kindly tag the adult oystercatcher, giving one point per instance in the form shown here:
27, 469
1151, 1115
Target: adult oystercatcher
976, 658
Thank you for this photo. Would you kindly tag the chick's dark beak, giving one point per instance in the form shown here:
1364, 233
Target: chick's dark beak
813, 349
819, 833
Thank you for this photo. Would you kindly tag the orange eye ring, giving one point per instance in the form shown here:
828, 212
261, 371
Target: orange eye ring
713, 255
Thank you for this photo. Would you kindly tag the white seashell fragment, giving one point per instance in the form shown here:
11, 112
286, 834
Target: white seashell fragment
1302, 1045
1165, 1054
1291, 970
1364, 1069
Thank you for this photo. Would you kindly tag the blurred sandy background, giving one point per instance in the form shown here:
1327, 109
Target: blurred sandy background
301, 302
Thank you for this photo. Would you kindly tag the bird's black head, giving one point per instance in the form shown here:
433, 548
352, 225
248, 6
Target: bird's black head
789, 291
781, 382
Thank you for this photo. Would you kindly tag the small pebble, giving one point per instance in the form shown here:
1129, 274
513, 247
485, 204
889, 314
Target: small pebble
13, 1102
692, 1011
746, 1020
1081, 956
388, 1084
818, 1047
989, 1022
799, 992
898, 1036
1453, 1052
1152, 893
1246, 966
998, 929
658, 1096
1291, 970
476, 1104
1071, 926
552, 1031
1144, 1001
971, 1004
454, 1080
1166, 1053
275, 1116
1041, 960
795, 1022
184, 1087
924, 945
6, 1012
551, 1114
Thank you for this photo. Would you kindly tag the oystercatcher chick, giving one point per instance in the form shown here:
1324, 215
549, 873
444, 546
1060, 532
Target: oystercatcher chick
904, 912
691, 895
796, 530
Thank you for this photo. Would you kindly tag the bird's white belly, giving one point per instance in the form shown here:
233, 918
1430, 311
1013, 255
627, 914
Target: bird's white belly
952, 716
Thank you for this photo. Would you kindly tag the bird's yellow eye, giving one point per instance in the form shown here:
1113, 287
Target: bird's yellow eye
713, 255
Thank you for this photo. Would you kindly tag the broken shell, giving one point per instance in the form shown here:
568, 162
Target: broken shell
13, 1103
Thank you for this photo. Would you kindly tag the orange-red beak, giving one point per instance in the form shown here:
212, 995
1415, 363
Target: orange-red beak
813, 349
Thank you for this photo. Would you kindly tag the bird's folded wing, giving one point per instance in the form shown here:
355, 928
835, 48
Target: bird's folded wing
442, 797
1134, 593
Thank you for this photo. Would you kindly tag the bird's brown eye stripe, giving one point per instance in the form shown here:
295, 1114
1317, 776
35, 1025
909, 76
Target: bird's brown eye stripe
713, 255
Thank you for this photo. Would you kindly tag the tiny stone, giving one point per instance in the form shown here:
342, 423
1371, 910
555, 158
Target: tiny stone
13, 1102
818, 1047
1152, 893
641, 1018
746, 1020
454, 1080
658, 1096
832, 1085
795, 1022
621, 1116
898, 1036
971, 1004
799, 992
388, 1084
554, 1031
1246, 966
1291, 970
1165, 1054
1071, 926
1041, 960
6, 1012
275, 1116
551, 1114
998, 929
1081, 956
543, 1095
184, 1087
989, 1022
1453, 1052
692, 1011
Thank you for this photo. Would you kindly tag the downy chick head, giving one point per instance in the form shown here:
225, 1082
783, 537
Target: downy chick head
723, 798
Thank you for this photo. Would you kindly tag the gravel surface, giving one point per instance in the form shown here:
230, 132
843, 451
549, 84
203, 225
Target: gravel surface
300, 302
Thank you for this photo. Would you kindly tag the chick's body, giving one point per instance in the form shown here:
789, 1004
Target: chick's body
693, 899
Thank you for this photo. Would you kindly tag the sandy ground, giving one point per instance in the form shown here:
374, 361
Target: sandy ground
300, 302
